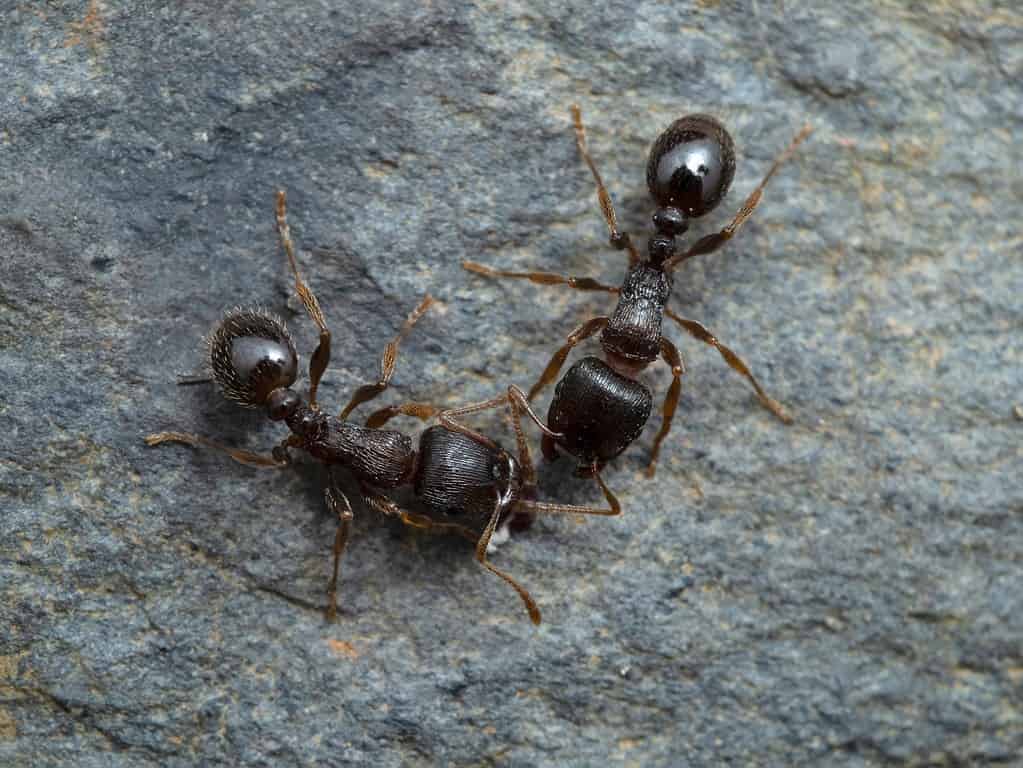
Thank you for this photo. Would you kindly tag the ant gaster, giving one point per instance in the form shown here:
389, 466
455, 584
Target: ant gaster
599, 407
459, 475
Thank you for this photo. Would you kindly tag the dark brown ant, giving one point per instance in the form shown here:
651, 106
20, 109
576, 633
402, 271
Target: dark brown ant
599, 408
459, 475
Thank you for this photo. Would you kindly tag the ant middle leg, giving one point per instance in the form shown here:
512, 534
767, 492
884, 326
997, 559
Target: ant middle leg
618, 239
670, 355
339, 505
279, 457
387, 362
321, 355
698, 331
715, 240
583, 332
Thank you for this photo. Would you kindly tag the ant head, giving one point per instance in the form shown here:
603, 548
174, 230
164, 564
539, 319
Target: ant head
690, 169
251, 355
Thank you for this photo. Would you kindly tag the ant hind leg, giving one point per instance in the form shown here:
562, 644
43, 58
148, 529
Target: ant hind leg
481, 558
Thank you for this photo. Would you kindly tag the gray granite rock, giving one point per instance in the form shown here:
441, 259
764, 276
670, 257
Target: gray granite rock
846, 591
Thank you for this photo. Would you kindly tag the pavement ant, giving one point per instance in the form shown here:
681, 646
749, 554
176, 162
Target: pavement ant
458, 475
599, 407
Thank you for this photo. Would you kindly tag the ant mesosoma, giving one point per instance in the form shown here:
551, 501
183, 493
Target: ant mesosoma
599, 407
459, 475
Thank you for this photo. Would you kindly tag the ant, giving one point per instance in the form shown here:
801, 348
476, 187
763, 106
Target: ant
599, 407
457, 474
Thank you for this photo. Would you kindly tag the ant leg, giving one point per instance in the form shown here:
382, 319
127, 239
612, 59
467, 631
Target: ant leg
388, 508
339, 505
421, 411
481, 557
698, 331
279, 457
715, 240
448, 421
321, 355
542, 278
550, 373
619, 240
518, 405
669, 352
387, 361
615, 507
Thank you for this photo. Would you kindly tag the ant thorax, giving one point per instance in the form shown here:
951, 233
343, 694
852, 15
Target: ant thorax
632, 338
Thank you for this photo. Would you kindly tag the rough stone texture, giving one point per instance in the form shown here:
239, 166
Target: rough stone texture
845, 592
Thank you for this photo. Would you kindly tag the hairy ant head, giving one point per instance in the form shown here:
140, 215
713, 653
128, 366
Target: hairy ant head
690, 169
251, 355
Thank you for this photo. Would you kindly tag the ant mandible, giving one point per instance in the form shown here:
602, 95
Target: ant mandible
599, 407
457, 474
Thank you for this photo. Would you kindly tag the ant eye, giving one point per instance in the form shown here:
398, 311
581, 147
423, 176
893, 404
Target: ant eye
251, 355
691, 165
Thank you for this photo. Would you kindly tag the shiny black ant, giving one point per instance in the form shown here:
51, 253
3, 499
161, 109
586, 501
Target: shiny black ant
599, 407
459, 475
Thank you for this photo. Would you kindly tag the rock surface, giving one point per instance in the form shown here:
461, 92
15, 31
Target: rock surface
847, 591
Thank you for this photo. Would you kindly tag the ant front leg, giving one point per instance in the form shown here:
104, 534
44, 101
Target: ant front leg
698, 331
541, 278
321, 355
387, 362
279, 457
339, 506
618, 239
672, 357
583, 332
715, 240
